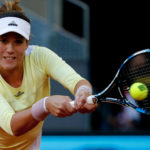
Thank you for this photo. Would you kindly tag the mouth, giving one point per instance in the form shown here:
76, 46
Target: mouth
9, 58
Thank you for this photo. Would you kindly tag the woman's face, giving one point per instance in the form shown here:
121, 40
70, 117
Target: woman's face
12, 48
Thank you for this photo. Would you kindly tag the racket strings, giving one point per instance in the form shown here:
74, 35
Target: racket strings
135, 73
135, 70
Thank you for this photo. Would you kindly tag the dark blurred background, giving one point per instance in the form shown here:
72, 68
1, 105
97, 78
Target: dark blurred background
116, 31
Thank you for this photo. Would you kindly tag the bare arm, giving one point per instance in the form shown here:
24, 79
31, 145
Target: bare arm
56, 105
22, 122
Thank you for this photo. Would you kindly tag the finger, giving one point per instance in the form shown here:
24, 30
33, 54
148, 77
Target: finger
70, 109
80, 101
87, 108
67, 109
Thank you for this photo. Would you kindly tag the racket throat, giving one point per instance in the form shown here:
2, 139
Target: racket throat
94, 99
113, 100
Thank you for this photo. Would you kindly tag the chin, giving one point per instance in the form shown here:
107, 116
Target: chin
9, 68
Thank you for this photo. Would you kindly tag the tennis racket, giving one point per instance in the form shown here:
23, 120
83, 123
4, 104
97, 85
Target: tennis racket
136, 68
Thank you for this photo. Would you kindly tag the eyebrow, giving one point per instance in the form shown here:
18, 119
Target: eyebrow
16, 35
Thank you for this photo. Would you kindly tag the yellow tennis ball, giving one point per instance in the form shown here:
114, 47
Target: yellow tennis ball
138, 91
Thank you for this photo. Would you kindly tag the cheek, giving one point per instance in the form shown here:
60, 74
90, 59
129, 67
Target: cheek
2, 47
21, 55
2, 51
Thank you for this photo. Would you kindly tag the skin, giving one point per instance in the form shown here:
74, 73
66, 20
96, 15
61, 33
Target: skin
80, 101
12, 48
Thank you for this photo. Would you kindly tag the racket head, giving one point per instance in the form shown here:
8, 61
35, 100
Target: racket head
135, 69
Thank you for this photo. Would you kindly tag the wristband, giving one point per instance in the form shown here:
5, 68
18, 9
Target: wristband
85, 88
39, 111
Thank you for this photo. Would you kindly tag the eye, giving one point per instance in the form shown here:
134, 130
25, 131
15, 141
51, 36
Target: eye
19, 41
3, 40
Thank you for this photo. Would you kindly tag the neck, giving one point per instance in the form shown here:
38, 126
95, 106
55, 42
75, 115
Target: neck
14, 78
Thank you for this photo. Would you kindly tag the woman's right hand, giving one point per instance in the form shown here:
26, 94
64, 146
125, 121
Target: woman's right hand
59, 106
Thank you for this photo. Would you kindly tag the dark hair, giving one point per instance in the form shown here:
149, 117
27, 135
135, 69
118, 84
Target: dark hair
11, 9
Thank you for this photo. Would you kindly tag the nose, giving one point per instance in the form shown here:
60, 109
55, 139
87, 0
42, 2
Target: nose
10, 48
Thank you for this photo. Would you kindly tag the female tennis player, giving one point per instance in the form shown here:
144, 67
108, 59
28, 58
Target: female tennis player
24, 83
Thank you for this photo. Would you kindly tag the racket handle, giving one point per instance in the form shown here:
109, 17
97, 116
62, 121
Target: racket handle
72, 104
90, 100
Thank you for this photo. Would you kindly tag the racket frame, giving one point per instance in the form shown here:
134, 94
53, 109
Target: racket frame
100, 97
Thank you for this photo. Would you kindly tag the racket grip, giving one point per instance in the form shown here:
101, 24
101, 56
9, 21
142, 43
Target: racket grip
89, 99
72, 104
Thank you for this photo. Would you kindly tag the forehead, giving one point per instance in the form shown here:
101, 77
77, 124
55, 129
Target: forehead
12, 34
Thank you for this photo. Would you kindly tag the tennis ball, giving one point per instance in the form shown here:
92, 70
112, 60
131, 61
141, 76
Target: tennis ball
138, 91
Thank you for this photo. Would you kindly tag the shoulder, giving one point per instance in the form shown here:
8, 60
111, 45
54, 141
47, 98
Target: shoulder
35, 50
39, 55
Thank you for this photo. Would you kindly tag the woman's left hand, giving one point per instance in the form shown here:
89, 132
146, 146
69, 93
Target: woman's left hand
81, 104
